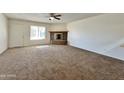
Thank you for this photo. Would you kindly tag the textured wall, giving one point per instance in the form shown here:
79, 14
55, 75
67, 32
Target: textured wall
3, 33
19, 32
99, 34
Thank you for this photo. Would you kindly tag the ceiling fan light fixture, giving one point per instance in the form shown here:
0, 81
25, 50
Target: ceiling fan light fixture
55, 16
51, 18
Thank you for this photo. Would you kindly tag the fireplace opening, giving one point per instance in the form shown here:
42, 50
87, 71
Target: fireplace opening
58, 36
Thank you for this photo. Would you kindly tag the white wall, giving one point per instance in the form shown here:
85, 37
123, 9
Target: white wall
58, 27
19, 32
99, 34
117, 52
3, 33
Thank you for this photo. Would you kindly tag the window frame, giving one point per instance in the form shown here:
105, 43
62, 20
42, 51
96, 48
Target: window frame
38, 31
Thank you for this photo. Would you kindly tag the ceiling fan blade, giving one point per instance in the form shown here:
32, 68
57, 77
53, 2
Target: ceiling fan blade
58, 15
57, 18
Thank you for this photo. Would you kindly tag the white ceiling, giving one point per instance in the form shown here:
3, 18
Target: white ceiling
44, 17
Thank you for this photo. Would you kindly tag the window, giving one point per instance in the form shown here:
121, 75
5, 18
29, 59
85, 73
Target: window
37, 33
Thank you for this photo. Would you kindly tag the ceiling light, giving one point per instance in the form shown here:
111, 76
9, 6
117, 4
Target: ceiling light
51, 18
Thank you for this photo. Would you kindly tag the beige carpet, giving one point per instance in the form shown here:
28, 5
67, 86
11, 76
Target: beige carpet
58, 62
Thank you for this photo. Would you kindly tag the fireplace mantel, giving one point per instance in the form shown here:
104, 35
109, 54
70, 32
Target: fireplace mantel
57, 31
58, 37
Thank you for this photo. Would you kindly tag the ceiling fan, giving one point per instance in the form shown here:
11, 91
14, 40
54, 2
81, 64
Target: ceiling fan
54, 16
